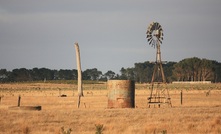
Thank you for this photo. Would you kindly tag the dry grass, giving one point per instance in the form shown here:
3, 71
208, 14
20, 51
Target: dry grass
198, 114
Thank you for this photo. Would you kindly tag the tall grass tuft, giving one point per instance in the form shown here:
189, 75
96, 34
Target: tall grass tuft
99, 128
63, 131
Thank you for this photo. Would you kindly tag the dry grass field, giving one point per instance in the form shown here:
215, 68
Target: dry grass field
199, 114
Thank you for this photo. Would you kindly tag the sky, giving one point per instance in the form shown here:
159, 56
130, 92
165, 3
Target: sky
111, 33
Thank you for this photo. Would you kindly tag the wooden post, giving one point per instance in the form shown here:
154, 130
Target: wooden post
19, 100
80, 89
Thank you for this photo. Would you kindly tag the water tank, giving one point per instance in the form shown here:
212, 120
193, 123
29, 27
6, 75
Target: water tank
121, 94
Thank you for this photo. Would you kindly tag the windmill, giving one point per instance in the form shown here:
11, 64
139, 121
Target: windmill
158, 94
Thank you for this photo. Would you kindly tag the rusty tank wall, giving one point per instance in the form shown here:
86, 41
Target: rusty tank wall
121, 94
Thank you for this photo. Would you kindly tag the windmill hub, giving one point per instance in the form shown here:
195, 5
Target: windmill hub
156, 33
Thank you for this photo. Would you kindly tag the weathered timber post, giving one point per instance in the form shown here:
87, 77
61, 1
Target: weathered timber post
19, 100
80, 89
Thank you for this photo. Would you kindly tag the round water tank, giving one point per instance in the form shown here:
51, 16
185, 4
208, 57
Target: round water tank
121, 93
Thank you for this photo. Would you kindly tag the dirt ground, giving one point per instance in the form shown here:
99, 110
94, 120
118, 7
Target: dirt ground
200, 113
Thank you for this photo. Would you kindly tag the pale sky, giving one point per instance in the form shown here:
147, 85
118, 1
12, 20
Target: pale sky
111, 33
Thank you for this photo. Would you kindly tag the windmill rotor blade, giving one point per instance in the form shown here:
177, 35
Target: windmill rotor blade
157, 25
149, 39
152, 25
149, 43
150, 34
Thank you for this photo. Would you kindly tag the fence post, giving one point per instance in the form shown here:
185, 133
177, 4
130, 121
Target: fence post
19, 100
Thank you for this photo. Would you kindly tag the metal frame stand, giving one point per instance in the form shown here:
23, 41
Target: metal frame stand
158, 95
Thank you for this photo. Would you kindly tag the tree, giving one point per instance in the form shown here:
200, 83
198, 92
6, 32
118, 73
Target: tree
66, 74
178, 72
92, 74
168, 71
109, 75
206, 70
127, 74
46, 73
21, 74
3, 75
123, 72
142, 72
217, 71
194, 69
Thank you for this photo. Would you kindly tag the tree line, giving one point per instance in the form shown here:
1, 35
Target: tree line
189, 69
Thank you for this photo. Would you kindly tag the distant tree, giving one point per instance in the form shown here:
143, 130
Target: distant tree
168, 71
139, 71
36, 75
143, 72
217, 71
21, 74
66, 74
130, 73
46, 73
4, 75
109, 75
178, 73
91, 74
194, 69
123, 75
195, 64
207, 70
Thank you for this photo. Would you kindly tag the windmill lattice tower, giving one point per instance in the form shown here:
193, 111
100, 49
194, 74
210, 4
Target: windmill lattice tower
159, 94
